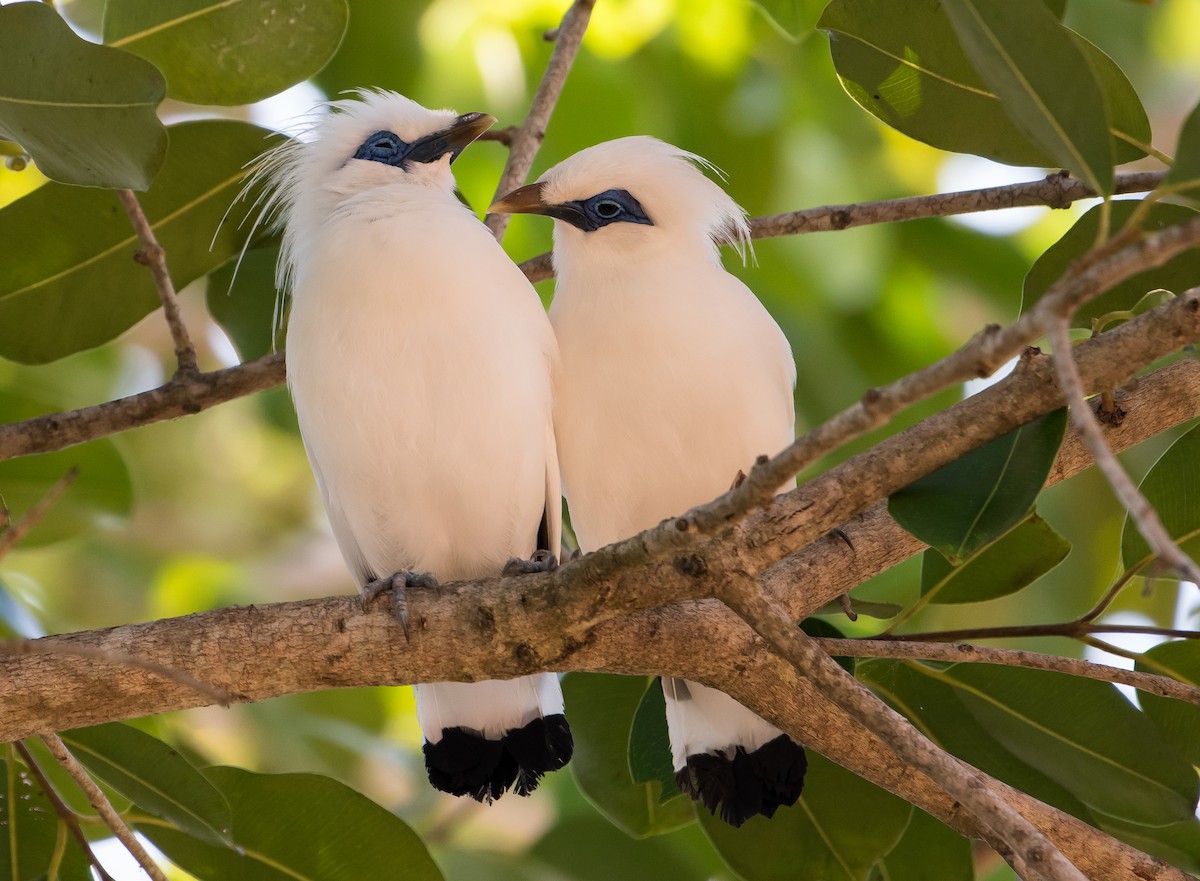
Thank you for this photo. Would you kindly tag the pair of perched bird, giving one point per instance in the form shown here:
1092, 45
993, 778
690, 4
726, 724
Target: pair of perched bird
437, 403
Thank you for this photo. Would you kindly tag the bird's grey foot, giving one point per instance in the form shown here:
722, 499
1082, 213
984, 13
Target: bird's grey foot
397, 584
542, 561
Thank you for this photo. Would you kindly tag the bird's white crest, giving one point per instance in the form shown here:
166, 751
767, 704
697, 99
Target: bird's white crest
683, 203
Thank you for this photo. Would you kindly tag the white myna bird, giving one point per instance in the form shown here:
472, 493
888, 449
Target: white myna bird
421, 361
674, 378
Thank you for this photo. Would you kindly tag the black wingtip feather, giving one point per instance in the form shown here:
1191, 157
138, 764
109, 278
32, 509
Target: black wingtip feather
753, 783
464, 763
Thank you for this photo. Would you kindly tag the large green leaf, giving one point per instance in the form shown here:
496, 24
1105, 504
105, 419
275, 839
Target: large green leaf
929, 851
903, 64
934, 706
1083, 734
1043, 79
1178, 274
30, 829
1177, 843
1177, 721
972, 501
586, 848
85, 113
242, 299
601, 708
155, 777
299, 827
77, 285
822, 836
228, 51
1172, 486
649, 744
1185, 173
102, 485
1016, 559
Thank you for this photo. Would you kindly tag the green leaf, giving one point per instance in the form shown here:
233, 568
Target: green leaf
299, 827
85, 113
1178, 274
822, 836
903, 64
1178, 722
1083, 734
1178, 843
155, 777
223, 52
242, 300
1043, 80
883, 611
77, 285
1016, 559
1172, 486
1185, 173
101, 488
974, 500
586, 848
649, 744
934, 705
929, 851
601, 708
31, 829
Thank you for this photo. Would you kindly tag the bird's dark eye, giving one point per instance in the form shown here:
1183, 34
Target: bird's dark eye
383, 147
608, 209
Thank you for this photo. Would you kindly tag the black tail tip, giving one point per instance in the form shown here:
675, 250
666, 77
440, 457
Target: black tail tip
464, 763
753, 783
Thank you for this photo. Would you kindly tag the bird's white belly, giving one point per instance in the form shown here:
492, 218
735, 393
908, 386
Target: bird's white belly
435, 453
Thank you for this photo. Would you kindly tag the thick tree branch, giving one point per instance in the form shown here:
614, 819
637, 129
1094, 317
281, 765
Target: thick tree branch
152, 255
524, 143
182, 396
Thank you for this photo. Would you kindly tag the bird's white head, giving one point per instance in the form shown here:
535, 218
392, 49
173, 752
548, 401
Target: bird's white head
376, 149
635, 193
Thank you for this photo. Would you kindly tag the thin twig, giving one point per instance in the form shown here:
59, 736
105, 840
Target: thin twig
527, 140
1078, 629
957, 778
98, 800
51, 646
1164, 686
1092, 435
62, 809
11, 536
153, 256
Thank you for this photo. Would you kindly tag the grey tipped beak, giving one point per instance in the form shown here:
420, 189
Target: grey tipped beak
525, 200
452, 140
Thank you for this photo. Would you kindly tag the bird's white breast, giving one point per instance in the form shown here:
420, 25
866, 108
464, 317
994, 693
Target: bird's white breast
674, 377
419, 360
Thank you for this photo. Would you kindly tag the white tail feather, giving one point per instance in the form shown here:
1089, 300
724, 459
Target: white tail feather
703, 720
492, 707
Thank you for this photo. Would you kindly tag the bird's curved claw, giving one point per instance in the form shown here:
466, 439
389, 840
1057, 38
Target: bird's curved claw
397, 584
541, 561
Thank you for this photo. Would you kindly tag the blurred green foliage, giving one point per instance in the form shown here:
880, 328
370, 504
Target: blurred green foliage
220, 508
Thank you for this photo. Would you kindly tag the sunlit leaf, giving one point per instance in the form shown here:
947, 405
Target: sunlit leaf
1177, 721
972, 501
601, 708
1083, 734
102, 485
1016, 559
929, 851
903, 64
154, 776
77, 285
85, 113
243, 300
217, 52
822, 836
863, 607
299, 827
1172, 486
649, 745
31, 829
1043, 80
1177, 275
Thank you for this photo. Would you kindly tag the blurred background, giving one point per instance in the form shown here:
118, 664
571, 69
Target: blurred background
220, 508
